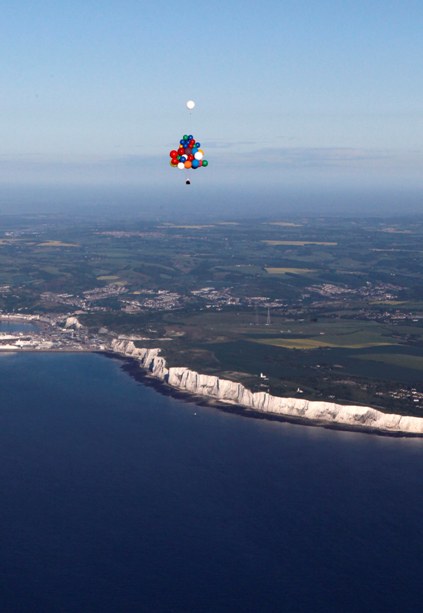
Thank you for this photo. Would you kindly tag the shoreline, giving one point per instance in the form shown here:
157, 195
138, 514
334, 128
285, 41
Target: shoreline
132, 367
150, 368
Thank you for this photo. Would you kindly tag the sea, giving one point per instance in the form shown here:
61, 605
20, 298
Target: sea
118, 498
10, 326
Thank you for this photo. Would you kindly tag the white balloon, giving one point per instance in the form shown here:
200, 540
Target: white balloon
198, 155
190, 104
181, 165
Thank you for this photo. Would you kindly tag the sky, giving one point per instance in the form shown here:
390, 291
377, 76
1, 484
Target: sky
289, 94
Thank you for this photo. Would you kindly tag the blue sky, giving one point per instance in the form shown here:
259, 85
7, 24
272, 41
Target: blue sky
287, 92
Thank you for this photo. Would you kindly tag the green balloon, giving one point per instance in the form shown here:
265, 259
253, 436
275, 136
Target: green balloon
185, 137
205, 163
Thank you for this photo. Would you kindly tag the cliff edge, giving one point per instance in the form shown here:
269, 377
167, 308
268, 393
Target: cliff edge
229, 392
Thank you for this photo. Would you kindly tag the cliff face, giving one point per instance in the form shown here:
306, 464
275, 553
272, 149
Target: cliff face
73, 322
324, 413
149, 358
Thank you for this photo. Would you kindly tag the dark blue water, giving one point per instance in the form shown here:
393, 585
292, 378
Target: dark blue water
10, 326
115, 498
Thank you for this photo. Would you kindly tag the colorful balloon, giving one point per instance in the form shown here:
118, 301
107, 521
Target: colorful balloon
188, 154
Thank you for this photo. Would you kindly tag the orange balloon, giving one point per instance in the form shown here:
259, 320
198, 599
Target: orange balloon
188, 164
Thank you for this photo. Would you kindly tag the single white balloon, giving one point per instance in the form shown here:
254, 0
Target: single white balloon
198, 155
190, 104
181, 165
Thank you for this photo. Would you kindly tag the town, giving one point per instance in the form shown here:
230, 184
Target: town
318, 306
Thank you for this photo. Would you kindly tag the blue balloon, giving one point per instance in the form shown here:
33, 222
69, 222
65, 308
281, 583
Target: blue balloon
198, 145
195, 164
183, 158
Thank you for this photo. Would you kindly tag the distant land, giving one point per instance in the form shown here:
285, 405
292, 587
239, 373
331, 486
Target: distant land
327, 309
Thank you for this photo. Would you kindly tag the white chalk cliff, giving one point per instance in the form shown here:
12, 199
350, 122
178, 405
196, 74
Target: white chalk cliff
73, 322
323, 413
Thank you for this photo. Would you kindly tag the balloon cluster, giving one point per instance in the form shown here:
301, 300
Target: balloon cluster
188, 154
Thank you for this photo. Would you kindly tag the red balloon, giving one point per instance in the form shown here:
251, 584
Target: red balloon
191, 142
174, 161
190, 157
173, 153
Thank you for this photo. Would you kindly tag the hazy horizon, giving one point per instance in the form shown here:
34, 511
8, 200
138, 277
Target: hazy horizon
197, 202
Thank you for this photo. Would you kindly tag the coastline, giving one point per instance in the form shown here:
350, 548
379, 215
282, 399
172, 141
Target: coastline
132, 366
150, 367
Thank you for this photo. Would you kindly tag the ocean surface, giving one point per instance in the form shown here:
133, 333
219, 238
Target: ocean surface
116, 498
11, 326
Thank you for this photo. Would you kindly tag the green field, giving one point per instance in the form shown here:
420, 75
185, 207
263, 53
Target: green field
287, 271
401, 360
275, 243
56, 244
311, 343
108, 278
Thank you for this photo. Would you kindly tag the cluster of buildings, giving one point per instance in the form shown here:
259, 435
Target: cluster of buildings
204, 298
377, 295
372, 291
50, 333
403, 393
12, 342
86, 300
151, 300
218, 299
146, 300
